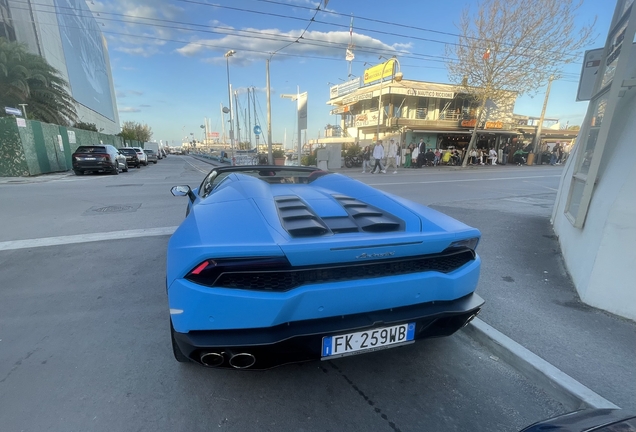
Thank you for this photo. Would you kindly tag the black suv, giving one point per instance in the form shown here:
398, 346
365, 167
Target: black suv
104, 158
131, 156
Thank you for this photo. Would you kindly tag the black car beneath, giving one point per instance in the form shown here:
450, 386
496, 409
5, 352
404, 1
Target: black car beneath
131, 156
100, 158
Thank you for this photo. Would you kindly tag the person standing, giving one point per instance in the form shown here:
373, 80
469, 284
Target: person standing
366, 159
391, 156
473, 157
398, 156
492, 155
438, 157
378, 155
505, 152
409, 156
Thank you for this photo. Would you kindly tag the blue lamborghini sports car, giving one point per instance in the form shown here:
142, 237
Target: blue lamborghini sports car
276, 265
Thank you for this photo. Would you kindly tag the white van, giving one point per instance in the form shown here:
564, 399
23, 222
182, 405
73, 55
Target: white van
154, 146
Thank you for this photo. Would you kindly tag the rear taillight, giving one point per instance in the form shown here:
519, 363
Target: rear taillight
106, 156
209, 271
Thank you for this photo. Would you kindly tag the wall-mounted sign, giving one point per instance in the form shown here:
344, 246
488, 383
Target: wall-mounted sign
488, 125
71, 137
368, 119
340, 110
356, 98
21, 122
344, 88
378, 72
429, 93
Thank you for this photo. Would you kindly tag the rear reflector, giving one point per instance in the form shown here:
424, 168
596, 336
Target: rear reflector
200, 268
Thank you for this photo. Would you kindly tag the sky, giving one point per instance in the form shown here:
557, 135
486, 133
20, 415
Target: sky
169, 69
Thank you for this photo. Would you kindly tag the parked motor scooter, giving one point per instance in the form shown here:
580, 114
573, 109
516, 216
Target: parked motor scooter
353, 161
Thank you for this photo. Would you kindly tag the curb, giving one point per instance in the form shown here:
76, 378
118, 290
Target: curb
552, 380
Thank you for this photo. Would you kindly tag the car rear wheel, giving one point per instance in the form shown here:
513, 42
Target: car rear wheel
125, 167
138, 165
78, 172
178, 355
116, 170
155, 162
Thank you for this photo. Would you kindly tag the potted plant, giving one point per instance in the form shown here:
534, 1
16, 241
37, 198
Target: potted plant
279, 157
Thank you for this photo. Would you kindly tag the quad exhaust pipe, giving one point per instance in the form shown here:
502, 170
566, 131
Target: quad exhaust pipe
242, 360
212, 359
237, 361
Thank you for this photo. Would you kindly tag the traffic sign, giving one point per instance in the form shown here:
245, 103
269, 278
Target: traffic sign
257, 130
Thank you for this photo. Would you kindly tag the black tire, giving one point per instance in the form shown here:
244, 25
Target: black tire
178, 355
348, 163
116, 170
125, 167
155, 162
138, 165
78, 172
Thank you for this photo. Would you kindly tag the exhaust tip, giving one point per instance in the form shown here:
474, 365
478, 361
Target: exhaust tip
472, 317
242, 360
212, 359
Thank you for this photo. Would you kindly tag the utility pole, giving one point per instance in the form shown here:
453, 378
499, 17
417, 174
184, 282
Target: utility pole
238, 121
24, 110
537, 137
270, 158
249, 119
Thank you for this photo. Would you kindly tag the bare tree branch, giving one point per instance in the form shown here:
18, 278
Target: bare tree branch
514, 46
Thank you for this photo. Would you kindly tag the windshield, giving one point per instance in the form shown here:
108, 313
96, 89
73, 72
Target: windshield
90, 149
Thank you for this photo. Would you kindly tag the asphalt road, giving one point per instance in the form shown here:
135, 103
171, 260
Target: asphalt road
84, 340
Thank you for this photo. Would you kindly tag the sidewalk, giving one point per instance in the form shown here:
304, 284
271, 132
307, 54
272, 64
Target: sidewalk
531, 299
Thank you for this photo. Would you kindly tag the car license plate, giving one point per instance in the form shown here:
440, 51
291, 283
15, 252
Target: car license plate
89, 158
368, 340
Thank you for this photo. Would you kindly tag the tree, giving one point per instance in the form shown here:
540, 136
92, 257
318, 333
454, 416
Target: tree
86, 126
131, 130
513, 46
27, 78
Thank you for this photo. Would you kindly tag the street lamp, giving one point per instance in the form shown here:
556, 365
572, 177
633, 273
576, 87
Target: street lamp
398, 77
229, 54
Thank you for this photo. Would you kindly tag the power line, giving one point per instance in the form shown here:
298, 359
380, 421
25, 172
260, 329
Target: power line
364, 49
307, 41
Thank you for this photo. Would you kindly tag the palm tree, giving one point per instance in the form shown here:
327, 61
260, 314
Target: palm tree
26, 78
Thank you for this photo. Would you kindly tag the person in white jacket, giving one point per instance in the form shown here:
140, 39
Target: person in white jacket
391, 154
378, 155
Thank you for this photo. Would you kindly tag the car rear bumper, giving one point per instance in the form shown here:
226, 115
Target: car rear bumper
302, 340
93, 166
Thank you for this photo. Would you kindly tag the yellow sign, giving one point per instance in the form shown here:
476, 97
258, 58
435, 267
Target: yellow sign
489, 124
375, 73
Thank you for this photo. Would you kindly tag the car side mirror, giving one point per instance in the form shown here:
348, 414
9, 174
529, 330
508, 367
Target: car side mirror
183, 190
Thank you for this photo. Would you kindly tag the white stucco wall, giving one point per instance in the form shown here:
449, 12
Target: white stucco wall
601, 257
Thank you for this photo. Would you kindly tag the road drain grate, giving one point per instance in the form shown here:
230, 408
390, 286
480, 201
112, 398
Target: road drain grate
119, 208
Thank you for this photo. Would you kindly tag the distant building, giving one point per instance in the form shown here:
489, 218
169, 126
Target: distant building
443, 115
67, 35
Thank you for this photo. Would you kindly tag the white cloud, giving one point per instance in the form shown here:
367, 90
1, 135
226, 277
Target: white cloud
128, 110
262, 43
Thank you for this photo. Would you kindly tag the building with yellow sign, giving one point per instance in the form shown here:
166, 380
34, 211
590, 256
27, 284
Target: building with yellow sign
442, 115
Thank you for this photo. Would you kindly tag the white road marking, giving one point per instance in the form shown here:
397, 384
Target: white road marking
196, 167
537, 184
85, 238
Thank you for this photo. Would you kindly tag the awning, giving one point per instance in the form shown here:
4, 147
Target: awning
468, 132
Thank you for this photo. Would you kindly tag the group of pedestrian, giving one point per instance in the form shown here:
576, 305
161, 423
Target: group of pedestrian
417, 156
393, 157
557, 154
